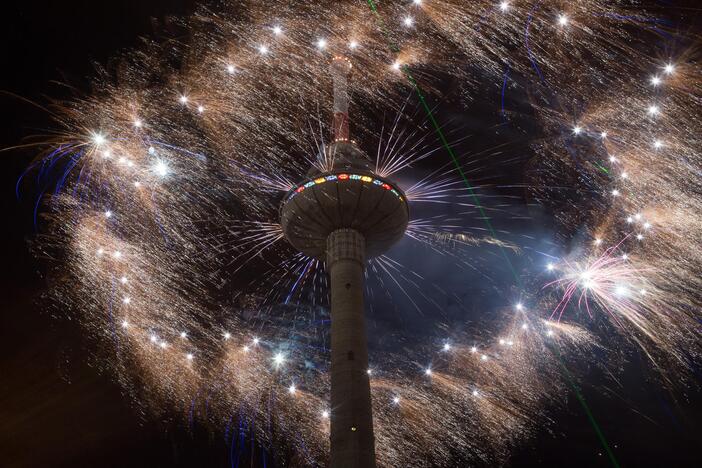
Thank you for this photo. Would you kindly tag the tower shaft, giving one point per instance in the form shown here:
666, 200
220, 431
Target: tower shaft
352, 440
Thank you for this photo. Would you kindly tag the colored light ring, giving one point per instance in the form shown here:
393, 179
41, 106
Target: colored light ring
345, 177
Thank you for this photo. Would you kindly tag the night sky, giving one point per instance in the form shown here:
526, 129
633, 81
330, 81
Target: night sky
58, 410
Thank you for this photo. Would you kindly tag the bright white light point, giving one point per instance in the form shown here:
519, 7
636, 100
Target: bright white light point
549, 333
502, 342
137, 183
653, 109
100, 251
108, 214
262, 49
98, 139
408, 21
647, 225
612, 159
396, 400
201, 109
230, 69
153, 338
550, 267
369, 371
256, 340
161, 169
417, 2
189, 357
227, 335
321, 43
427, 371
473, 349
629, 219
396, 65
325, 414
183, 335
525, 326
117, 254
163, 344
130, 164
152, 150
126, 300
658, 144
577, 130
107, 154
639, 236
353, 45
625, 257
615, 192
484, 357
447, 346
655, 80
669, 69
504, 6
598, 241
621, 291
475, 393
278, 359
125, 324
603, 135
510, 343
519, 306
642, 292
183, 99
277, 30
562, 20
246, 349
138, 123
123, 280
292, 389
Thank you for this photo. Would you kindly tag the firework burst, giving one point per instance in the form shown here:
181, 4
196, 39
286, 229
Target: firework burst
161, 192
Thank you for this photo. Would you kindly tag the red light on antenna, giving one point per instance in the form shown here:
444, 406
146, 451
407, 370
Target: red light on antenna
343, 176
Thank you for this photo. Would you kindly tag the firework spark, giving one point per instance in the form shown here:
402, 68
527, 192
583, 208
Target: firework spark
161, 192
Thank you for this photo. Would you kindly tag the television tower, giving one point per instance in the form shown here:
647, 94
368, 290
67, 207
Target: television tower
344, 216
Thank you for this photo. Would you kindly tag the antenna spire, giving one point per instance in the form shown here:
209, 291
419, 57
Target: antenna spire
340, 69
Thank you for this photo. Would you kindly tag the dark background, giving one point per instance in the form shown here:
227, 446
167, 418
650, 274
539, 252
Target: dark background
58, 410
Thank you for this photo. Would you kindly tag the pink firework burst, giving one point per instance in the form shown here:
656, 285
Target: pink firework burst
610, 280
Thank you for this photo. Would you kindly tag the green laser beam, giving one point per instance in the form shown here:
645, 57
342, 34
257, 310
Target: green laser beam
451, 153
601, 167
583, 404
437, 128
449, 150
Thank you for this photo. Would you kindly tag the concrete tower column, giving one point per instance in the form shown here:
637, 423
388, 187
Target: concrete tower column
352, 440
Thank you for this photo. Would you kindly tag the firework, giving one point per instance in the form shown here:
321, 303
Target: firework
161, 192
